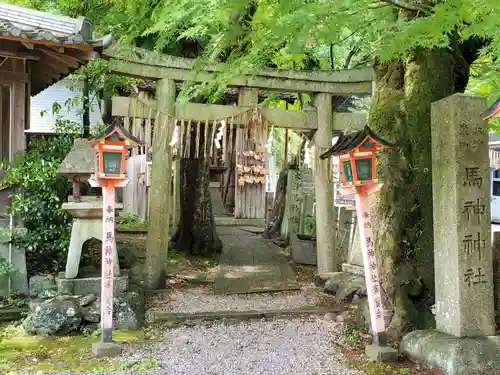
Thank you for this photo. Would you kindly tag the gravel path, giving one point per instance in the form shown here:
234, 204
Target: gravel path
203, 299
275, 347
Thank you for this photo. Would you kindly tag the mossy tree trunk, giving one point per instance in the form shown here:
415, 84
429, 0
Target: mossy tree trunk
196, 232
403, 211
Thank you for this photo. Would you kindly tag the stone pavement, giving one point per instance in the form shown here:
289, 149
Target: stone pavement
251, 264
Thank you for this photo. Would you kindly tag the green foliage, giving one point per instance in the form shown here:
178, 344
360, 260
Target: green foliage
38, 196
352, 337
310, 226
373, 368
6, 268
13, 300
485, 81
129, 221
338, 34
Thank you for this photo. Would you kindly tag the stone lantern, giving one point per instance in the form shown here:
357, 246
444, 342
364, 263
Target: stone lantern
78, 166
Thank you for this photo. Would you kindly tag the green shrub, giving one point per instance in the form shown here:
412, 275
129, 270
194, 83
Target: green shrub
6, 268
37, 198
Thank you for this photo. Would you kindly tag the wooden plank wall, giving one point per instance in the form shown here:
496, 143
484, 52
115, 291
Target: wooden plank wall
19, 104
135, 194
250, 201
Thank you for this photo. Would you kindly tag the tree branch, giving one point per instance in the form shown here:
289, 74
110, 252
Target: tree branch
349, 57
408, 6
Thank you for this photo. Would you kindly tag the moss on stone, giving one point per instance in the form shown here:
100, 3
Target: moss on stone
20, 351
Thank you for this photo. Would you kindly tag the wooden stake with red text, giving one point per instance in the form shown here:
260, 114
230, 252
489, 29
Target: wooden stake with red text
370, 262
108, 260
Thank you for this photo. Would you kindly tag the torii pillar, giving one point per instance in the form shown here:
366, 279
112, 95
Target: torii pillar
328, 259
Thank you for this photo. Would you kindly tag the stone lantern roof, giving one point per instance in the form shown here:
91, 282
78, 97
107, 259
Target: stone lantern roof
79, 161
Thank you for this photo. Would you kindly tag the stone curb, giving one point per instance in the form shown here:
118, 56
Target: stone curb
268, 289
179, 318
15, 313
132, 230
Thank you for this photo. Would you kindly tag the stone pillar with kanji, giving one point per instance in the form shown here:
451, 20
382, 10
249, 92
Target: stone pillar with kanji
462, 222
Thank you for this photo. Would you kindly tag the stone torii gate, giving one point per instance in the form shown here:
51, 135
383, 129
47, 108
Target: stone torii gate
166, 70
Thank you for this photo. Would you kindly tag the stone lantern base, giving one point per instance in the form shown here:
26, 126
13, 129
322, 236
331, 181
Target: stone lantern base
87, 224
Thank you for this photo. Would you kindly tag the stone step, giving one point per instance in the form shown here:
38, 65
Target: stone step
173, 319
14, 313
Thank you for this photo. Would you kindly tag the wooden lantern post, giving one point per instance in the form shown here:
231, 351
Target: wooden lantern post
110, 151
357, 162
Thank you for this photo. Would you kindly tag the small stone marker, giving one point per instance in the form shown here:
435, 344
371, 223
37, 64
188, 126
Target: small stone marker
462, 225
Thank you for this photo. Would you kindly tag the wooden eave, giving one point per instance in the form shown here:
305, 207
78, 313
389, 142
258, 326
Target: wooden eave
493, 111
48, 63
351, 141
52, 46
116, 128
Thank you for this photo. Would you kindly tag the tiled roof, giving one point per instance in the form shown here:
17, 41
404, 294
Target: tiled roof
53, 46
30, 24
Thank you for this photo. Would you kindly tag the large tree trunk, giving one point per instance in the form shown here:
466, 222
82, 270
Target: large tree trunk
196, 233
400, 112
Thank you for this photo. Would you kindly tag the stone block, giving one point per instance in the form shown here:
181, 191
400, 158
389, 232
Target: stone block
38, 285
462, 220
453, 355
353, 269
496, 268
378, 353
106, 349
344, 232
19, 280
344, 286
321, 278
303, 251
362, 314
58, 316
90, 285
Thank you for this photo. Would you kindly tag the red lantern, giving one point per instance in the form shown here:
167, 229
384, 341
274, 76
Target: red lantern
493, 111
357, 156
110, 151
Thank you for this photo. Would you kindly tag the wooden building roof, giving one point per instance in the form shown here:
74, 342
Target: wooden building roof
54, 45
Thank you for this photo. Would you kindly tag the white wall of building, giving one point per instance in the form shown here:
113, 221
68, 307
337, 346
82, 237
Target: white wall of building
60, 92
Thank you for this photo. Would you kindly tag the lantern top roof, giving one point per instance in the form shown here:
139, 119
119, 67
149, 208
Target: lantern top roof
493, 111
79, 161
350, 141
122, 133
